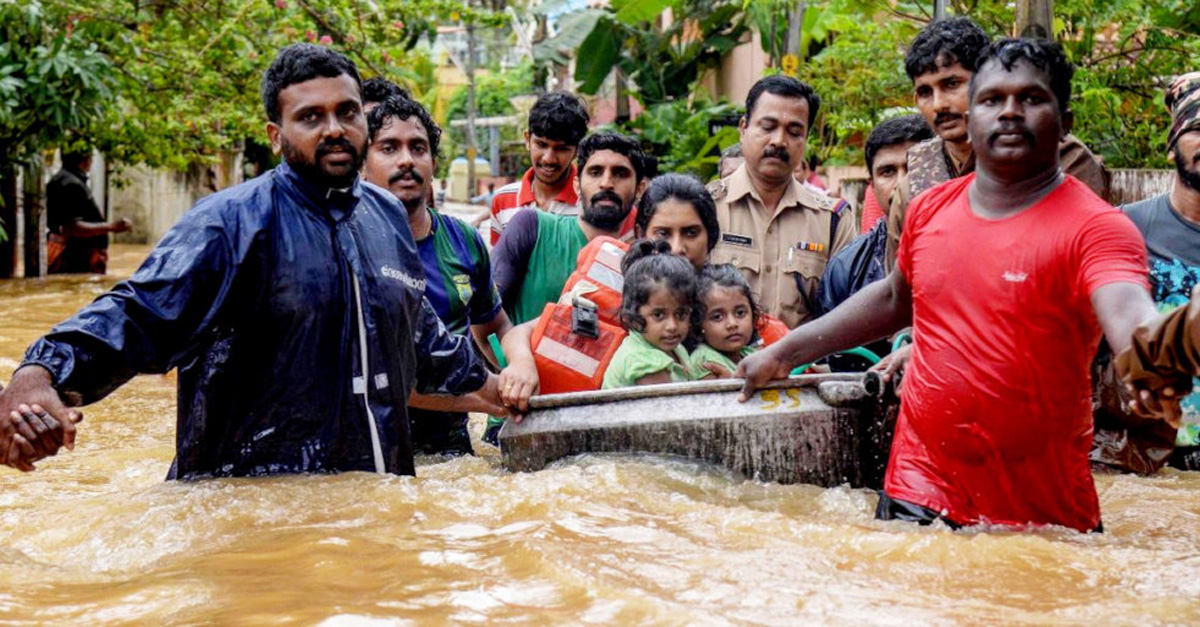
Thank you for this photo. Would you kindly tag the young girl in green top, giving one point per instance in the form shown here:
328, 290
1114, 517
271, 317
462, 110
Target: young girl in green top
728, 318
657, 309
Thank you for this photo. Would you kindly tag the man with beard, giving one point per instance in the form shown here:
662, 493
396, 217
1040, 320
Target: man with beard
557, 122
940, 62
536, 255
1171, 225
402, 155
777, 232
291, 304
1008, 276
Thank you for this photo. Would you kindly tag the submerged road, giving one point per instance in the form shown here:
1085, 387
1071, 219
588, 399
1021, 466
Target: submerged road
97, 537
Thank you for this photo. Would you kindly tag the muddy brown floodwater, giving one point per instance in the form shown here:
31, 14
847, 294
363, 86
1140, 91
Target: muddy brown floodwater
97, 537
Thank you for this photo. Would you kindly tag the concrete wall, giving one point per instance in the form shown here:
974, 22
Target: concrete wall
155, 199
1134, 185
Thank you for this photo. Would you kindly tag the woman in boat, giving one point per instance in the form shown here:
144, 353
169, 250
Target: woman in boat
677, 209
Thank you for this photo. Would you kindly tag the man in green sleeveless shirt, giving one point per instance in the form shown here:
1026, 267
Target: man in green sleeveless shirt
536, 254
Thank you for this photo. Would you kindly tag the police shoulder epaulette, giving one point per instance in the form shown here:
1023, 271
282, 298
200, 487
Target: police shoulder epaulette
718, 189
809, 198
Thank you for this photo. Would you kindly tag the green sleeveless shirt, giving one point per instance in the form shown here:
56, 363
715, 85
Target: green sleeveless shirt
559, 240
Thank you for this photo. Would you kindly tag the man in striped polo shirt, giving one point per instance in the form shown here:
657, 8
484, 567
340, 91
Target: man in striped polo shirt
557, 123
401, 157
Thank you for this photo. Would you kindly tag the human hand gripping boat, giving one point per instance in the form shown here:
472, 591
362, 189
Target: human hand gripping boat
821, 429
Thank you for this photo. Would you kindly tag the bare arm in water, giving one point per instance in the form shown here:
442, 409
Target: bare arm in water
880, 309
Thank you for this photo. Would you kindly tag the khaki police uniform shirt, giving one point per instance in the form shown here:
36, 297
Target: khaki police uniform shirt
782, 254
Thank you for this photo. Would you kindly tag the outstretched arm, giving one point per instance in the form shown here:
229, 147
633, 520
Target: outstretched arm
149, 323
879, 309
1156, 357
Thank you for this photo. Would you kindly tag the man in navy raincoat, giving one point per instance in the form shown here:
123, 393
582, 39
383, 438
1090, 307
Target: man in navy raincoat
292, 306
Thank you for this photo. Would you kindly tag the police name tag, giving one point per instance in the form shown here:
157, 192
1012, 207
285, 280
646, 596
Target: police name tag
737, 240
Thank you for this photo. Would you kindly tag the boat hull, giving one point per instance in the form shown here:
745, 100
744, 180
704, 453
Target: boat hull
824, 430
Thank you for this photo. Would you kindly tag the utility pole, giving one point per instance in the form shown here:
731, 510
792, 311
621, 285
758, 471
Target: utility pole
939, 9
472, 147
8, 220
1035, 19
790, 63
35, 217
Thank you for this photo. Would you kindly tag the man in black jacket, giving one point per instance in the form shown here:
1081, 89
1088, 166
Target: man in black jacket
78, 240
293, 306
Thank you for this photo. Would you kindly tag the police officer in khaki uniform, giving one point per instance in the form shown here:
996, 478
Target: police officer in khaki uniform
778, 233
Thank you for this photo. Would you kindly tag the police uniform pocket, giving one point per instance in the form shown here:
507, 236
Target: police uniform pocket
743, 259
808, 264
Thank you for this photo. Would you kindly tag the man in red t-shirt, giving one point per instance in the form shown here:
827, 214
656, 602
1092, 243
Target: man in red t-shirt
1008, 277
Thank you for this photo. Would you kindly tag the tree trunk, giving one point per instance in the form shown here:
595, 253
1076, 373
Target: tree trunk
8, 219
1035, 19
472, 145
34, 196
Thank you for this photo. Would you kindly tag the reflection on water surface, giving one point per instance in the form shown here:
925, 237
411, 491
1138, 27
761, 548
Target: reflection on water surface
97, 536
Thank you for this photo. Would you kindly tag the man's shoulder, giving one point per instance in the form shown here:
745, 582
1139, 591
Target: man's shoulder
458, 227
718, 189
927, 166
819, 201
940, 195
1148, 207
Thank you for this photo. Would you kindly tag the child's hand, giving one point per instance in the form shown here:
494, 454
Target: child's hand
718, 371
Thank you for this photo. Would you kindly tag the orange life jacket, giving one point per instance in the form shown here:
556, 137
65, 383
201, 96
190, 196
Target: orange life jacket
567, 362
598, 266
770, 329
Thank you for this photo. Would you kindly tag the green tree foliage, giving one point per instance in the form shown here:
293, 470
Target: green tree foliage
678, 133
187, 72
663, 62
51, 86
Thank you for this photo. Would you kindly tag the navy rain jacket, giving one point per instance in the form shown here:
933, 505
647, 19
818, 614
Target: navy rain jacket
860, 263
253, 297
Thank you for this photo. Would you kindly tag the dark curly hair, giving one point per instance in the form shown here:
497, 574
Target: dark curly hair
379, 89
683, 188
943, 43
901, 130
560, 117
648, 266
724, 275
299, 63
1044, 55
616, 142
403, 109
782, 85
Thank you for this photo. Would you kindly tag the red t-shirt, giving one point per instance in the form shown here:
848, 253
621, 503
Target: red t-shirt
996, 421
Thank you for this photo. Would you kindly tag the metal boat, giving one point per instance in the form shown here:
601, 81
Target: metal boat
822, 429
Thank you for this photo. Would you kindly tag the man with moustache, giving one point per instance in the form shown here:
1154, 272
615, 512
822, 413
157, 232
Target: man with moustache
291, 304
557, 122
1008, 276
1170, 223
537, 252
777, 232
863, 261
401, 157
941, 61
